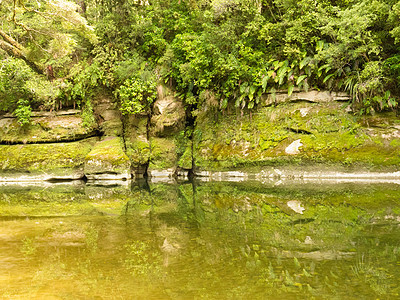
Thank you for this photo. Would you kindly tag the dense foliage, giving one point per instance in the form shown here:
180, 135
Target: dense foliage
212, 52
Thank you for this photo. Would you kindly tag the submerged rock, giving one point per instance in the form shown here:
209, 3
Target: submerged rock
293, 148
296, 206
170, 248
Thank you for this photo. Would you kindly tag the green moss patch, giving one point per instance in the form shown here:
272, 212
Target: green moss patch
44, 157
328, 134
138, 152
107, 156
163, 153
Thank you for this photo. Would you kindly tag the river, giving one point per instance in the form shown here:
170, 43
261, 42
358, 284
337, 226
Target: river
208, 240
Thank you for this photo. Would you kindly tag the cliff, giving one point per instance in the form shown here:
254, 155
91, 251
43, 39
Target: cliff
313, 134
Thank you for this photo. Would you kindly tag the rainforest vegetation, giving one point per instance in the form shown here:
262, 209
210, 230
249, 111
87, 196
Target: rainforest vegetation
59, 53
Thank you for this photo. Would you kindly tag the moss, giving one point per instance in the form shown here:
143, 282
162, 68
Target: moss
395, 143
137, 145
184, 148
44, 157
163, 153
329, 135
107, 156
44, 129
138, 152
185, 160
380, 120
109, 149
112, 127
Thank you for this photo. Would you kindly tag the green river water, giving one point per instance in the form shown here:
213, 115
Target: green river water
200, 240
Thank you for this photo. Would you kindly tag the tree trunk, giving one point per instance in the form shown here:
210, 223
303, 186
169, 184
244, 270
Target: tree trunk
13, 48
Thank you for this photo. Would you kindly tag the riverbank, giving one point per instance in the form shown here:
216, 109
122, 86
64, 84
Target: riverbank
306, 135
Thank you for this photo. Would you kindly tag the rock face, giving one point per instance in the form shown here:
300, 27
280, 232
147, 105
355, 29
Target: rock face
167, 122
152, 142
137, 143
44, 161
329, 136
108, 116
310, 96
298, 137
168, 116
107, 160
45, 128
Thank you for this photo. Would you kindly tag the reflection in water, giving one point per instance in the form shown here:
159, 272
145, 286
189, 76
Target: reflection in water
214, 240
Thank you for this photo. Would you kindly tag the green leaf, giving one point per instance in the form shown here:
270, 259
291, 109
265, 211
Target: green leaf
264, 83
224, 103
243, 87
290, 89
325, 67
270, 73
252, 90
281, 74
320, 46
300, 79
392, 102
237, 102
304, 62
328, 77
278, 64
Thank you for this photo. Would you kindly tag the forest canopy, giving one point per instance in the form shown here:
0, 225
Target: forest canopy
58, 53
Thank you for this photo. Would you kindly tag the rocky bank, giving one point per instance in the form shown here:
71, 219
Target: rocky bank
309, 134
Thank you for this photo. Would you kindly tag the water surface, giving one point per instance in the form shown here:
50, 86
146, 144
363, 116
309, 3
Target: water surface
212, 240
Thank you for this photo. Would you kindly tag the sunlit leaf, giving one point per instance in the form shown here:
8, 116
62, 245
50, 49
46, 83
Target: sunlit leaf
290, 89
300, 79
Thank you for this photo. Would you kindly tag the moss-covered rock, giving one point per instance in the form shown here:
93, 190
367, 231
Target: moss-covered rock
46, 127
137, 144
168, 116
281, 96
163, 155
327, 133
107, 160
58, 160
108, 116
